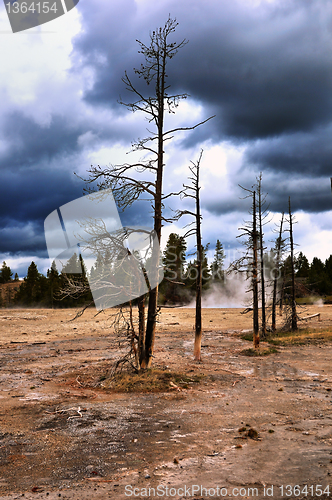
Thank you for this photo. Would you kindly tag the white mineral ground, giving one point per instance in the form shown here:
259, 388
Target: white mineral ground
60, 437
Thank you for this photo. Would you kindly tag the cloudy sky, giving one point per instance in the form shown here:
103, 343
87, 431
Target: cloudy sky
263, 67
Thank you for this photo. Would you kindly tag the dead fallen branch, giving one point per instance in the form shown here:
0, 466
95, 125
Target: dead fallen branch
317, 315
78, 410
174, 386
99, 480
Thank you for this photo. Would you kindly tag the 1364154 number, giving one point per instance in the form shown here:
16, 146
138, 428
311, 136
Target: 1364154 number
295, 491
34, 7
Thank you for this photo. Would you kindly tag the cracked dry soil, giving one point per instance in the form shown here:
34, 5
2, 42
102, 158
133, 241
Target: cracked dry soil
62, 436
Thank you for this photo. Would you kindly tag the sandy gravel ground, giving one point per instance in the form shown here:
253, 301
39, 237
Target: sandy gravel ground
60, 438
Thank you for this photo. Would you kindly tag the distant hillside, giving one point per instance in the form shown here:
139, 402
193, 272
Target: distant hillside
8, 291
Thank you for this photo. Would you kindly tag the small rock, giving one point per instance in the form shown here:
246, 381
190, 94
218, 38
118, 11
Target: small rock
252, 434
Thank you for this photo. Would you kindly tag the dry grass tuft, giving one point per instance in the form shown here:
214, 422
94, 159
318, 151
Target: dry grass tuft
302, 336
259, 352
154, 380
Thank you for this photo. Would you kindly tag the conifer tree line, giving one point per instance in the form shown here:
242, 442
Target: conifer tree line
281, 276
179, 284
38, 290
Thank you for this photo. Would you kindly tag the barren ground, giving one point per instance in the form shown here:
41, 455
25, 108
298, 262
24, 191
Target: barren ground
62, 437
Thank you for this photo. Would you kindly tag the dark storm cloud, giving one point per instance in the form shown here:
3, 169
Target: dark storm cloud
307, 193
107, 45
37, 172
33, 179
29, 143
27, 198
33, 195
263, 70
265, 73
21, 238
302, 152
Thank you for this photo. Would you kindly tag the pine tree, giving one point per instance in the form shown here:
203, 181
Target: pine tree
318, 277
302, 266
191, 273
5, 273
172, 287
73, 266
217, 271
206, 273
53, 282
33, 290
328, 269
75, 273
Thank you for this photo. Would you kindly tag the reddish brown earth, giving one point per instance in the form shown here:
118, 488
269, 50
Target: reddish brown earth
8, 292
59, 438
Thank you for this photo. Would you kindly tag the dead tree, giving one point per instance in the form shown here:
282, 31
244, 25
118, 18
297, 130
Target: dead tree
276, 270
255, 274
291, 241
124, 327
262, 213
288, 288
192, 191
124, 179
282, 291
116, 277
248, 263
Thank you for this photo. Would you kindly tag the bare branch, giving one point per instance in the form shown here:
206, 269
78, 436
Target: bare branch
188, 128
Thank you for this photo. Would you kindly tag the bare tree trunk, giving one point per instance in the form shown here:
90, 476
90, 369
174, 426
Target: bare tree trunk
282, 293
134, 346
263, 331
141, 327
294, 315
255, 276
276, 272
153, 295
192, 191
198, 318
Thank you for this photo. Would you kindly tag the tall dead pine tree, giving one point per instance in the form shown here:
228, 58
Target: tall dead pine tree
248, 263
255, 273
262, 214
276, 270
291, 240
193, 192
126, 184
